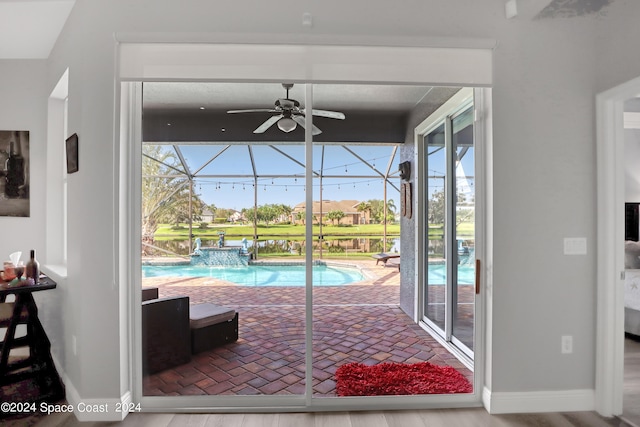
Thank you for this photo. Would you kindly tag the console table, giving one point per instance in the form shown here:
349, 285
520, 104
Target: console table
38, 365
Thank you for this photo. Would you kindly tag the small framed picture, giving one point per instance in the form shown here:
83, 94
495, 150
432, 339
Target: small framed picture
72, 153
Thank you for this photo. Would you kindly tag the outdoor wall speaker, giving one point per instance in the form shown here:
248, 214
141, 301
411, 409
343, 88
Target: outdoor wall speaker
405, 170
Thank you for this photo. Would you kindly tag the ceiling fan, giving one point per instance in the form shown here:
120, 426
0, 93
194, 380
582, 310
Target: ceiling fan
290, 115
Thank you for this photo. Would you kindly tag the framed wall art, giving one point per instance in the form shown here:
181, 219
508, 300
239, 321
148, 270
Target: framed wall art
72, 153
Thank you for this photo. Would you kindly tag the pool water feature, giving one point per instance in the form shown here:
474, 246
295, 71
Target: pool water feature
260, 275
225, 256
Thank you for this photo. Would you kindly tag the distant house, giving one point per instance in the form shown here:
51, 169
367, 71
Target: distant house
207, 215
236, 217
321, 208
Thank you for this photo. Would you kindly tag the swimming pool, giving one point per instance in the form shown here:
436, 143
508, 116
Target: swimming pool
438, 274
261, 275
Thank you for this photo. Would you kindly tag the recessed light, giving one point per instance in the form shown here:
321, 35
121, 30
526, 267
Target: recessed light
223, 130
202, 108
168, 124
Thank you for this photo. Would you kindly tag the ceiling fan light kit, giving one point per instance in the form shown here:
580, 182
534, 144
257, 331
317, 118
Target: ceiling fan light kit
286, 124
289, 114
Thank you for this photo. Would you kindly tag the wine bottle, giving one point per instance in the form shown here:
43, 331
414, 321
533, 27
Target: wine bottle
15, 170
33, 267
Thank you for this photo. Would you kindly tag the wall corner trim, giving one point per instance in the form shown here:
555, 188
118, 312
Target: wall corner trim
97, 409
538, 401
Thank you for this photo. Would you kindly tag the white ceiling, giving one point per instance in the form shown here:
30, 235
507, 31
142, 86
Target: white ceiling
29, 28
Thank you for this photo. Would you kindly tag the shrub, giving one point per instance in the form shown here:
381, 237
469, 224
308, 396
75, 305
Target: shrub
335, 249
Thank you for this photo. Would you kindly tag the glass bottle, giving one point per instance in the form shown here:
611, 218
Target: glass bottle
15, 170
32, 268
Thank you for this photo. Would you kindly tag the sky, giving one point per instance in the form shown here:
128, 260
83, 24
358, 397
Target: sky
274, 186
227, 180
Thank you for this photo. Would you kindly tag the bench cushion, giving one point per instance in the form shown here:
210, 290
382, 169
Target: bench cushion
203, 315
149, 293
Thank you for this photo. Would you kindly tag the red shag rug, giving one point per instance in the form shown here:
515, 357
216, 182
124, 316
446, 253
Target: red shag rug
357, 379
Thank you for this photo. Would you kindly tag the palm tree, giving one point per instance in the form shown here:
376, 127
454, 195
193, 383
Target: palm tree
364, 207
164, 189
301, 216
391, 210
335, 215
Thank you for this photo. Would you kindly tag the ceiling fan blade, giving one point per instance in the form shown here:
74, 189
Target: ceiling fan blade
301, 121
255, 110
330, 114
267, 124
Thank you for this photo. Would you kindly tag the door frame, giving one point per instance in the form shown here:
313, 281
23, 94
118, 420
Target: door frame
309, 64
610, 260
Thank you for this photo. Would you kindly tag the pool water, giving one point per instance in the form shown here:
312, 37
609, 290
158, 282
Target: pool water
260, 275
438, 274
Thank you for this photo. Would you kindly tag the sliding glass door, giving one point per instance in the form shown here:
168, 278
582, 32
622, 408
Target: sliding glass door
449, 291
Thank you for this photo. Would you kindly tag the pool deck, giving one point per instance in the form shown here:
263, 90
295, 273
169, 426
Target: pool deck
361, 322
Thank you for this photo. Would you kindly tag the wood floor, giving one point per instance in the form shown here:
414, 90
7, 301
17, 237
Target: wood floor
423, 418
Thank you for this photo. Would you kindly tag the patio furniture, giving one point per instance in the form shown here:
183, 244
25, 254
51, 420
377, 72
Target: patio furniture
211, 326
165, 333
393, 262
149, 292
384, 257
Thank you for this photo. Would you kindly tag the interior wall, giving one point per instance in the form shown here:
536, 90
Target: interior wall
544, 181
24, 107
615, 42
24, 91
544, 161
22, 87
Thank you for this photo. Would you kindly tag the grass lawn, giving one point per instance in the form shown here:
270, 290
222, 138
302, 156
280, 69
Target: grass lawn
166, 231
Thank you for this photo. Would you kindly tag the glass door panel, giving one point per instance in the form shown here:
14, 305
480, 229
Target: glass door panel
464, 213
435, 291
221, 211
449, 291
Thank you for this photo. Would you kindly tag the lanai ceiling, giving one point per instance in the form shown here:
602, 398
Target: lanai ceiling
198, 112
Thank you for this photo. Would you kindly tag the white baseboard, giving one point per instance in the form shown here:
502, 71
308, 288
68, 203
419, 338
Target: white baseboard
538, 401
93, 409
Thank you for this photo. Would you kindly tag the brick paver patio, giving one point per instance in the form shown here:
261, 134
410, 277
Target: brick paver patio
360, 322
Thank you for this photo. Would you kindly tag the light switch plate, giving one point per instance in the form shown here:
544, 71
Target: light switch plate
575, 245
511, 9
